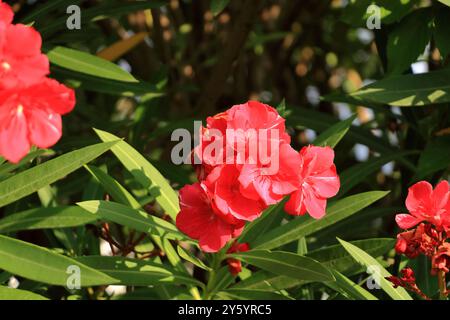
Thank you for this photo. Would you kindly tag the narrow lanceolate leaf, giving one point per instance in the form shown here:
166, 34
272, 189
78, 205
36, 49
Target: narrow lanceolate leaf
132, 218
378, 271
349, 288
408, 90
103, 85
270, 218
113, 188
46, 218
42, 265
18, 294
299, 227
335, 257
286, 264
134, 272
194, 260
31, 180
408, 39
145, 173
334, 134
86, 63
432, 158
42, 10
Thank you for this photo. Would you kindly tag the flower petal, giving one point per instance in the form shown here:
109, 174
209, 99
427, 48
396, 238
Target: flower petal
14, 143
406, 221
45, 128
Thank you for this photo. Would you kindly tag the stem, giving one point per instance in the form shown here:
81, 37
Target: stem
442, 285
217, 259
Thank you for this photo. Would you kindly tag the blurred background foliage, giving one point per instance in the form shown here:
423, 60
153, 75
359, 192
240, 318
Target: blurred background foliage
195, 58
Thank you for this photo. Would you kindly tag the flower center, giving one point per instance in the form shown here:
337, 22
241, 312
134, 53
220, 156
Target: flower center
6, 66
19, 109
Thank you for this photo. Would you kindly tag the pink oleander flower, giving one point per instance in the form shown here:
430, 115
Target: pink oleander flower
21, 60
318, 181
198, 220
227, 196
426, 204
32, 116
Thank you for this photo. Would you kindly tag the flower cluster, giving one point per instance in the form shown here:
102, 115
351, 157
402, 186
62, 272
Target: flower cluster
247, 164
31, 104
428, 226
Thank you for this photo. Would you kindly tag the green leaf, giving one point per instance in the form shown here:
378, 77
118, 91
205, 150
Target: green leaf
132, 218
408, 40
46, 218
408, 90
217, 6
31, 180
135, 272
194, 260
270, 218
113, 188
42, 265
433, 159
446, 2
18, 294
113, 87
100, 12
145, 173
41, 11
357, 12
356, 174
348, 287
8, 167
87, 63
286, 264
379, 272
221, 281
440, 33
334, 134
335, 257
298, 228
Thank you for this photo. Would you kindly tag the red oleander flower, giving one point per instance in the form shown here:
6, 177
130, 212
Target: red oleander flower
426, 204
247, 164
318, 182
31, 105
32, 116
421, 240
406, 280
21, 60
441, 259
212, 148
226, 192
272, 182
6, 14
253, 115
198, 220
234, 265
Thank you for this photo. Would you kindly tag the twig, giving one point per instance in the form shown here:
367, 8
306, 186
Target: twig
235, 42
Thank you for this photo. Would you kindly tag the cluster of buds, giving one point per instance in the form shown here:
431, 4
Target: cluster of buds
426, 233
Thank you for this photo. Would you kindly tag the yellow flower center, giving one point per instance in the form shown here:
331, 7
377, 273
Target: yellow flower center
6, 66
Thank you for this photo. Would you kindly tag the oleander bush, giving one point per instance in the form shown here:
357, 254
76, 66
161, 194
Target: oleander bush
219, 149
